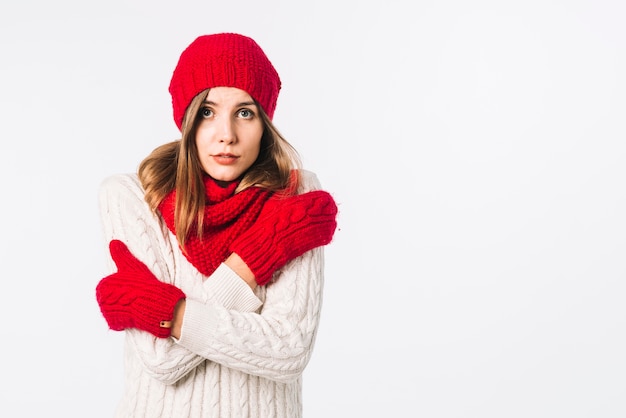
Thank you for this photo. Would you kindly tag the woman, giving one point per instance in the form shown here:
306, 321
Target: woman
217, 249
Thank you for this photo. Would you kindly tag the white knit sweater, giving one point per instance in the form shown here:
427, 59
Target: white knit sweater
241, 353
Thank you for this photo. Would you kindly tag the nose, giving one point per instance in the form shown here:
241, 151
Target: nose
227, 131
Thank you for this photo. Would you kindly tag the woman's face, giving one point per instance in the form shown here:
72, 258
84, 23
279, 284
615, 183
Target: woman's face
229, 133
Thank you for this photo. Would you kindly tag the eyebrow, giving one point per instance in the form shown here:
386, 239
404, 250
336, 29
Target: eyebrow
251, 103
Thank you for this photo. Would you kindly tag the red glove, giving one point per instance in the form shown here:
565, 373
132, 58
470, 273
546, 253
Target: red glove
285, 229
134, 298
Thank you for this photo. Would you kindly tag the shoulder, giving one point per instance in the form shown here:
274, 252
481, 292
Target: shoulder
121, 183
125, 215
308, 181
123, 193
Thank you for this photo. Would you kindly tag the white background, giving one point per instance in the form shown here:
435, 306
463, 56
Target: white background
476, 151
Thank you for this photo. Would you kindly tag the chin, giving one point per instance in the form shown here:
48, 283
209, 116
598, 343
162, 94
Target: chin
223, 177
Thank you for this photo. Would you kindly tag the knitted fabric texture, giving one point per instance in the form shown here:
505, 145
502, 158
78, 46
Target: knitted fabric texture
226, 216
223, 60
133, 297
241, 353
286, 229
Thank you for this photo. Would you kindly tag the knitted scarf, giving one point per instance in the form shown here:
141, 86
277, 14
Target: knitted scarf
226, 215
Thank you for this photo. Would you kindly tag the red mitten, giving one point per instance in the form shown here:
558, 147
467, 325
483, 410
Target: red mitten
285, 229
134, 298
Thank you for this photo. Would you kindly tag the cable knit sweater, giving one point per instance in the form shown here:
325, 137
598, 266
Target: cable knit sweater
241, 353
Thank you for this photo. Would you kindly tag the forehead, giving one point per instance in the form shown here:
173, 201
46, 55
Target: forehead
224, 95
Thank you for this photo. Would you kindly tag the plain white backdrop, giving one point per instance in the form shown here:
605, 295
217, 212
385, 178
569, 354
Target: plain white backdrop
476, 151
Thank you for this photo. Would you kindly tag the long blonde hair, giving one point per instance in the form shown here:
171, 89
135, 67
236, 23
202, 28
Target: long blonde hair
176, 165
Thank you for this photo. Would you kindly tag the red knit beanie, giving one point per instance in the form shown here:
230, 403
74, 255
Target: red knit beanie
223, 60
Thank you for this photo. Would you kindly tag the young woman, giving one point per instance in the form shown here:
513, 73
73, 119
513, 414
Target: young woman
216, 249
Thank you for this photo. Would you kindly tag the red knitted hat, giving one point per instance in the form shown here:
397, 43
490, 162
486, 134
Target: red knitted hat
223, 60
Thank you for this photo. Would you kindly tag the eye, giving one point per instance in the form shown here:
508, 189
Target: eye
205, 112
246, 113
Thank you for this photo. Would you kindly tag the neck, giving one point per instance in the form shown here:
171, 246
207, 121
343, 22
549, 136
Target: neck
218, 190
223, 184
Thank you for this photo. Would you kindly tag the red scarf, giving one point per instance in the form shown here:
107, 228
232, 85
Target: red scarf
226, 215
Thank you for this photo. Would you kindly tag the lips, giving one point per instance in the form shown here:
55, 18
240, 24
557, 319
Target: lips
225, 159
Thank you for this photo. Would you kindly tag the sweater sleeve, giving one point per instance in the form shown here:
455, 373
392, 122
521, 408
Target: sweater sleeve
276, 342
126, 216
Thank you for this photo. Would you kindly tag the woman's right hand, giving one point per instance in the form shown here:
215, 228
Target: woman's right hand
285, 229
236, 264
